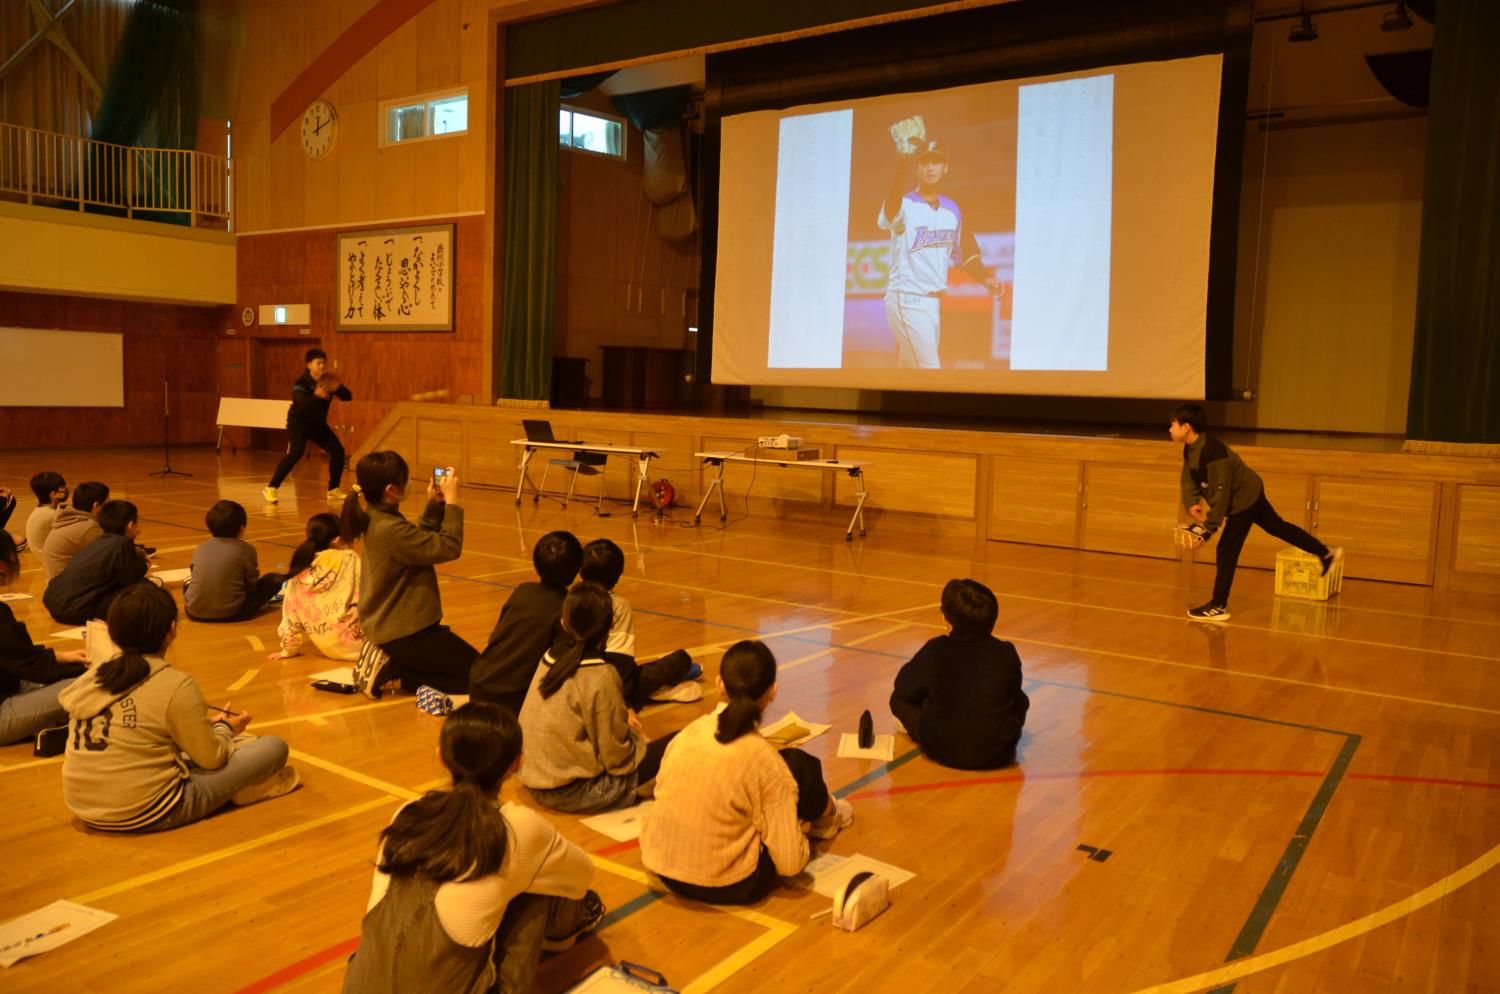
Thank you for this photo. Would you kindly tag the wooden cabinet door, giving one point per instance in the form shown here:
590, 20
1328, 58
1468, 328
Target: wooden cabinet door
1387, 527
1035, 500
1130, 509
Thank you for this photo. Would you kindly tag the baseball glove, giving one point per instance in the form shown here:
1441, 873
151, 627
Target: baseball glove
909, 135
1191, 536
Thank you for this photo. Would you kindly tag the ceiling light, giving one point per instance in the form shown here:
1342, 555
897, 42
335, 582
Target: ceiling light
1304, 29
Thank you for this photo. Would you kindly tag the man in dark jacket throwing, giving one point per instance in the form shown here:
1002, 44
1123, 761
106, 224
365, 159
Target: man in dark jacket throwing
307, 421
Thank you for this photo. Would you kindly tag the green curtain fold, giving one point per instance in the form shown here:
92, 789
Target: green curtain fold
523, 359
1455, 372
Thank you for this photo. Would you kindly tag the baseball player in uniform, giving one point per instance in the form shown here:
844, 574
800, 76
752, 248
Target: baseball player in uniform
928, 237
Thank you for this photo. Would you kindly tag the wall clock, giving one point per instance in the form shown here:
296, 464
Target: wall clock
319, 126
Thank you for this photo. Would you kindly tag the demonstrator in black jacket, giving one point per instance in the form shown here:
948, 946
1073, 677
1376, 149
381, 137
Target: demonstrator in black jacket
307, 421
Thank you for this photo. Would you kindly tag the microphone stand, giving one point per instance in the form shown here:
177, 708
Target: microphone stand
166, 435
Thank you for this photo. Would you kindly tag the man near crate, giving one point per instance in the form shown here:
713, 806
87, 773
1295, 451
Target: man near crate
1219, 490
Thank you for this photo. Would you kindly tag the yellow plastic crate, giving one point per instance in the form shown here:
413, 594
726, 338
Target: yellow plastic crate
1300, 574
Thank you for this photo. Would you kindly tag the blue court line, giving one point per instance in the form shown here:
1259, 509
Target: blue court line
877, 773
631, 907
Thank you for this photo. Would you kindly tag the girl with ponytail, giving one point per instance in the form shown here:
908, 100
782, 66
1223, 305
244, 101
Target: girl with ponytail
321, 600
467, 891
589, 752
134, 718
731, 814
399, 605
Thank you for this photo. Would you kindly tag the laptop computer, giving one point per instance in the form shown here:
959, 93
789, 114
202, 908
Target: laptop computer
541, 431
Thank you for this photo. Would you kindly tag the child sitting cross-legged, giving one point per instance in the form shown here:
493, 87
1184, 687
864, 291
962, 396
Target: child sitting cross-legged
322, 594
227, 584
731, 814
603, 563
101, 569
31, 675
470, 892
586, 751
51, 492
960, 696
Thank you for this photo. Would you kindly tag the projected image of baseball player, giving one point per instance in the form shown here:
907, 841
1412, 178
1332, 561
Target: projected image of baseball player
928, 238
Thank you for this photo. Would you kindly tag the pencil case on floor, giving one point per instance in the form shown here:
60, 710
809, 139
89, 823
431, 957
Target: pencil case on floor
862, 898
433, 701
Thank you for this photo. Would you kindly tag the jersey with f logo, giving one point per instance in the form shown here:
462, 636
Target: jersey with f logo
924, 244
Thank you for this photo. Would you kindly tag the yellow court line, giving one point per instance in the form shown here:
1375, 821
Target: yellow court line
355, 775
783, 667
1317, 943
1259, 676
241, 683
317, 718
31, 763
776, 930
142, 879
255, 643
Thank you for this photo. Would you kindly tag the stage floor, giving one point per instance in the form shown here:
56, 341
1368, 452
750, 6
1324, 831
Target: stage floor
1304, 799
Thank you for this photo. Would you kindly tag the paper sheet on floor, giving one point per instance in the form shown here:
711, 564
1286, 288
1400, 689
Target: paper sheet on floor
47, 928
883, 749
787, 724
341, 674
68, 633
826, 874
623, 825
17, 596
172, 575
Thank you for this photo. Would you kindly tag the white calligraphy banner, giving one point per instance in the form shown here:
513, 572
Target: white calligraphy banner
396, 278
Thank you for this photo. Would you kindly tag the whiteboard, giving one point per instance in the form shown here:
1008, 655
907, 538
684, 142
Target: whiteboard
49, 368
251, 412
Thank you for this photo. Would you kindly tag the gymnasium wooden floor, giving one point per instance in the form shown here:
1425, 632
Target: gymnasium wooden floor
1305, 799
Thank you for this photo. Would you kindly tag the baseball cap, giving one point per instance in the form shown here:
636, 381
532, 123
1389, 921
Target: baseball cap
932, 148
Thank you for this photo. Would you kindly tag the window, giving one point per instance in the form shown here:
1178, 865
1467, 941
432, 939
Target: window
592, 132
433, 115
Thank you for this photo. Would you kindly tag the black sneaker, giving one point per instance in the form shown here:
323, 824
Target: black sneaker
1212, 611
373, 670
1335, 554
593, 917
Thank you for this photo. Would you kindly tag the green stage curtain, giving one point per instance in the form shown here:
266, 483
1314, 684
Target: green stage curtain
529, 224
1455, 371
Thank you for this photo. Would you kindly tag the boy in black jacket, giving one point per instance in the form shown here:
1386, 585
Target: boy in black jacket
307, 421
524, 630
107, 565
31, 675
960, 697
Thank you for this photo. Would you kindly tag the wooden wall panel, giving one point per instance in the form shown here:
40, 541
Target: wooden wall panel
1130, 509
402, 438
1291, 495
1477, 535
162, 341
439, 443
1387, 527
1035, 500
491, 459
920, 482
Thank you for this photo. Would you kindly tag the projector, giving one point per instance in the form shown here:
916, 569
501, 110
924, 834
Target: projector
782, 441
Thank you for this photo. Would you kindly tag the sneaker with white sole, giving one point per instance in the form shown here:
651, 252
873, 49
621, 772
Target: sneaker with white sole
593, 917
271, 494
337, 494
1335, 554
1212, 611
685, 692
830, 825
373, 670
283, 781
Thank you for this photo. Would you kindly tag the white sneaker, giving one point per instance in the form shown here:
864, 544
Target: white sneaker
271, 495
830, 825
283, 781
685, 692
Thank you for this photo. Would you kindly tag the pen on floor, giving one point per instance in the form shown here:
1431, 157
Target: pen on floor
225, 710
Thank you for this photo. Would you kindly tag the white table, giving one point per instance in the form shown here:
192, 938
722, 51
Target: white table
530, 448
855, 470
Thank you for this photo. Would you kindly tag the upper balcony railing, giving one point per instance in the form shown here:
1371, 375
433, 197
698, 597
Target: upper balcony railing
163, 184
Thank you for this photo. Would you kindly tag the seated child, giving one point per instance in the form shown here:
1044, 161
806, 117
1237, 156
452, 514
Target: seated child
173, 762
527, 624
31, 676
73, 528
585, 752
960, 696
7, 508
322, 594
51, 492
226, 584
731, 815
468, 892
104, 567
603, 563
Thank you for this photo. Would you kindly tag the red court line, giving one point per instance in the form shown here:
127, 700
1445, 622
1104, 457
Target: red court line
618, 847
289, 973
1439, 781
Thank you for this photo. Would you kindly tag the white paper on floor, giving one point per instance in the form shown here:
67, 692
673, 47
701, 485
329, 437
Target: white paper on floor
47, 928
827, 873
68, 633
7, 598
772, 731
623, 825
172, 575
343, 674
884, 747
